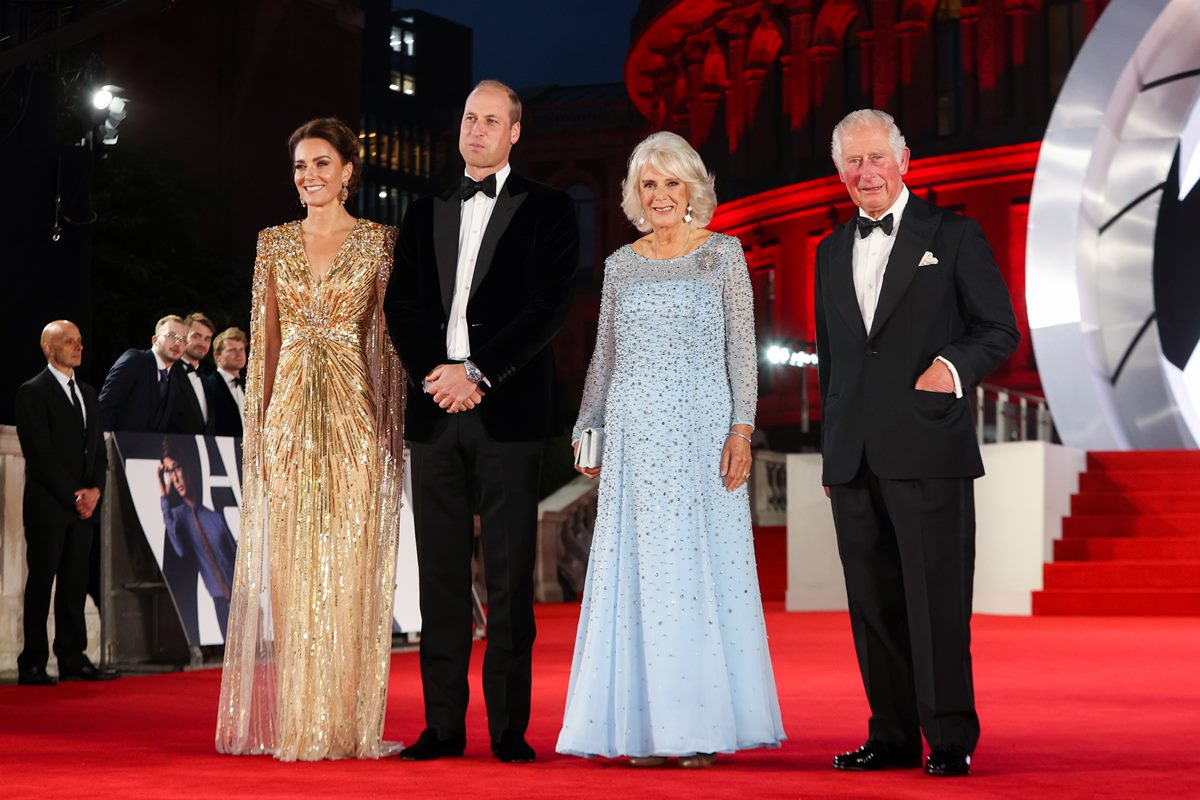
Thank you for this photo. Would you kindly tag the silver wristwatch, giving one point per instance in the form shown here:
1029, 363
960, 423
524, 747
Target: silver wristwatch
473, 373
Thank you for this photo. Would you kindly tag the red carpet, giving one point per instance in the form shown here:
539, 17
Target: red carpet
1132, 543
1071, 708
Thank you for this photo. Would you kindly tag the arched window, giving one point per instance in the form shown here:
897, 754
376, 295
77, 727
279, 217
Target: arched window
948, 78
1064, 36
585, 211
854, 84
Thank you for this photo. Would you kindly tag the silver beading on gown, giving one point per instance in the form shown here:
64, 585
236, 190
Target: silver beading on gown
671, 654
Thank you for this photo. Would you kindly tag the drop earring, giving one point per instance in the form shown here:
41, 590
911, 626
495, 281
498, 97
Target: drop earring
641, 221
688, 216
343, 194
303, 203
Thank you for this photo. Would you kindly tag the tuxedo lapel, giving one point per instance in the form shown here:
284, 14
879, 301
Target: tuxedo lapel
507, 202
447, 213
841, 281
56, 396
913, 237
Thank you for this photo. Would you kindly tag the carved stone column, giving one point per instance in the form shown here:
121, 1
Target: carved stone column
737, 111
916, 76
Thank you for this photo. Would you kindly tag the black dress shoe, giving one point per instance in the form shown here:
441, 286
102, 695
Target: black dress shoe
875, 756
511, 748
87, 671
946, 763
429, 747
35, 676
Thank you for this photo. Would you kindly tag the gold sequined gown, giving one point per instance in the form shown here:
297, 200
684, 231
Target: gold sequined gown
310, 623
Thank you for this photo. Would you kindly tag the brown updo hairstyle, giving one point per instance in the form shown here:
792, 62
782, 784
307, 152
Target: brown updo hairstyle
343, 139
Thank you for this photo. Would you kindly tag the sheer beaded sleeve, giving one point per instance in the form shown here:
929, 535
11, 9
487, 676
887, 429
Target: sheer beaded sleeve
595, 388
741, 352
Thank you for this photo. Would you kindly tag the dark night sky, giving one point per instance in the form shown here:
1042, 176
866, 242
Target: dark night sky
526, 44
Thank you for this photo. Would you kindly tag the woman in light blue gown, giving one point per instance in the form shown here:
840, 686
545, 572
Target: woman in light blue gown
671, 654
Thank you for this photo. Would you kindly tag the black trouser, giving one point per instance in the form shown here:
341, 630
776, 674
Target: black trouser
908, 553
462, 470
56, 551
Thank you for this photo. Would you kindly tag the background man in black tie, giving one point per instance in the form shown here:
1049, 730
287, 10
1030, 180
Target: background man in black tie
225, 387
137, 393
481, 284
911, 314
191, 414
58, 424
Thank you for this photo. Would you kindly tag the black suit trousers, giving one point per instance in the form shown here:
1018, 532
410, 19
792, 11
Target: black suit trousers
56, 551
459, 471
908, 553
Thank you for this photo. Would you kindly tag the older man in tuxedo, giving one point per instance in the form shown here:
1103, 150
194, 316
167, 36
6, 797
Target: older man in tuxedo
481, 284
58, 424
911, 314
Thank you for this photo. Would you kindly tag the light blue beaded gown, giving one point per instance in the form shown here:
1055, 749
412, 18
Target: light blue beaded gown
671, 654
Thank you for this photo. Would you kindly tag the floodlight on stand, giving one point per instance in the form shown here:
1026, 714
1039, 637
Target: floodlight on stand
102, 98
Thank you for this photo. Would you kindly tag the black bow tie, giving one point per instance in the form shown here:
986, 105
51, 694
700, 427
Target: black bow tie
188, 368
468, 187
866, 225
239, 382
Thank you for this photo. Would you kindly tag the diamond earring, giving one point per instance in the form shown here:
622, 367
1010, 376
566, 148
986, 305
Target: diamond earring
688, 216
641, 221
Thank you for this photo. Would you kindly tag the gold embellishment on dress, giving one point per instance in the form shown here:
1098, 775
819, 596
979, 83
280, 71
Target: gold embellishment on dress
310, 621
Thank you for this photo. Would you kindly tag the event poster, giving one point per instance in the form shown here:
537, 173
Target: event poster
187, 494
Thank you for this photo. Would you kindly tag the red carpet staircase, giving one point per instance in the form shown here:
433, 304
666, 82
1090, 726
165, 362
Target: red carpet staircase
1131, 545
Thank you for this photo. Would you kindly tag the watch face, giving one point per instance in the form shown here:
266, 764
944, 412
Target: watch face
1112, 275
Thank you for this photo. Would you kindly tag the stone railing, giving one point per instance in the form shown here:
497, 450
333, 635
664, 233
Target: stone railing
565, 522
12, 561
1004, 415
768, 488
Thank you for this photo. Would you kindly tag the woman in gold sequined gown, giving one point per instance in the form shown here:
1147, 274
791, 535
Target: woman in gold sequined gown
310, 624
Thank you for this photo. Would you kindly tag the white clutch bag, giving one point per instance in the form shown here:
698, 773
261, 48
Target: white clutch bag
591, 448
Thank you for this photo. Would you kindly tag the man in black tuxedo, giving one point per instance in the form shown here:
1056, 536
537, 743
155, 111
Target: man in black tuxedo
58, 424
190, 414
225, 387
138, 393
481, 284
911, 314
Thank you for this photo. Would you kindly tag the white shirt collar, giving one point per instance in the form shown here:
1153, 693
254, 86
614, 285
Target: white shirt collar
896, 209
501, 177
61, 376
228, 376
158, 359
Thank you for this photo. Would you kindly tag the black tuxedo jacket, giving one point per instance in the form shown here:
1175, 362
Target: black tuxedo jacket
130, 400
186, 414
958, 308
60, 458
222, 407
519, 297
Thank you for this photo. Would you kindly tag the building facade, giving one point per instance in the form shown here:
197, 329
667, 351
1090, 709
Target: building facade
757, 86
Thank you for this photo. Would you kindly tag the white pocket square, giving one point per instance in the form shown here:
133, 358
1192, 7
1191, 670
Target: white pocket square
927, 259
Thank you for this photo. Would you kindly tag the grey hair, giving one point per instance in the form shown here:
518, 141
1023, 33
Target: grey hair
671, 154
866, 118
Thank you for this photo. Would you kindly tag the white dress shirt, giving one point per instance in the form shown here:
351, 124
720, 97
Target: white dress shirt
62, 378
198, 387
472, 223
239, 395
870, 260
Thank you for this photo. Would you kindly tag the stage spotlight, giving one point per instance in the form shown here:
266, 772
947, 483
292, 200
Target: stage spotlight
110, 108
102, 99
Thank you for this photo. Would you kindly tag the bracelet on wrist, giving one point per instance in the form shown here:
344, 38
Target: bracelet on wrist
744, 436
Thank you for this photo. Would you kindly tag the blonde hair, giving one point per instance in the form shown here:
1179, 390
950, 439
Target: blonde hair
671, 154
236, 334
